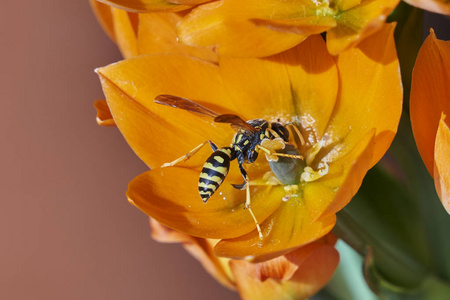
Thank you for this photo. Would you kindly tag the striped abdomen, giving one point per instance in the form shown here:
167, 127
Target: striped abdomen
214, 172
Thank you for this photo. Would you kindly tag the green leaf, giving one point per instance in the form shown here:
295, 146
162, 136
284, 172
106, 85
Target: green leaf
381, 217
408, 39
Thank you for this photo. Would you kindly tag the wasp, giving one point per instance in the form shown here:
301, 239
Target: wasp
245, 147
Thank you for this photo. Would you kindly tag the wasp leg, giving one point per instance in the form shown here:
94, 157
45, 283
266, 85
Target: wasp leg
271, 153
247, 199
249, 207
239, 186
189, 154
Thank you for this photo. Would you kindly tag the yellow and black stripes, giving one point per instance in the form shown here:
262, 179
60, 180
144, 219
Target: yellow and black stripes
214, 172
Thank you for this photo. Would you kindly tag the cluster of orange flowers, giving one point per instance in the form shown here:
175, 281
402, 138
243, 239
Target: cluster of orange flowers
266, 60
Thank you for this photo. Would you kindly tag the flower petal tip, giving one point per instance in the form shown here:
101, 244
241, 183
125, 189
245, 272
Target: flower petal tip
441, 168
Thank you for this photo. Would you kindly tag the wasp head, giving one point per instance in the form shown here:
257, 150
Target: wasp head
281, 130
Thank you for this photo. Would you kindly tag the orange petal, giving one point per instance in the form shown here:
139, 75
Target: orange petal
199, 248
287, 85
333, 191
297, 275
190, 2
430, 91
157, 34
436, 6
309, 66
272, 9
145, 6
157, 133
163, 234
104, 17
290, 227
305, 26
217, 267
104, 117
373, 68
125, 33
170, 196
301, 17
346, 4
442, 163
219, 27
357, 23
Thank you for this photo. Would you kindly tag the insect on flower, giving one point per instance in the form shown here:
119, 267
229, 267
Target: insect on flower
245, 147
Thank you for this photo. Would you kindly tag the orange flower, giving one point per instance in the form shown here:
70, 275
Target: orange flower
137, 34
430, 108
436, 6
146, 6
297, 275
257, 28
347, 110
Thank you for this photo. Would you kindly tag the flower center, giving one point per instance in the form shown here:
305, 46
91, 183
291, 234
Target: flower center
293, 173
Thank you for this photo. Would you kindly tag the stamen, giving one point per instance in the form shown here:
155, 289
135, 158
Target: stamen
290, 190
310, 175
300, 136
312, 152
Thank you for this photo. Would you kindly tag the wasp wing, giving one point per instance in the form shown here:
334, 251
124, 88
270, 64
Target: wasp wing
186, 104
235, 121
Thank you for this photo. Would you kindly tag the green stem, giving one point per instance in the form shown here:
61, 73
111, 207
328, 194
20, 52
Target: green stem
400, 267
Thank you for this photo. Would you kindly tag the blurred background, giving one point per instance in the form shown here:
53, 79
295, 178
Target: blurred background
66, 228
